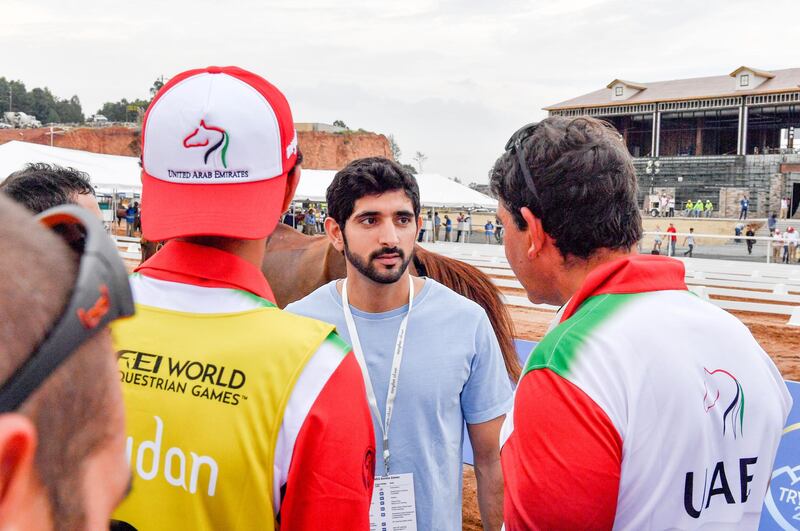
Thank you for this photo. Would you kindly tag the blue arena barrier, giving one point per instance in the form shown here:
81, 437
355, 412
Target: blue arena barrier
782, 504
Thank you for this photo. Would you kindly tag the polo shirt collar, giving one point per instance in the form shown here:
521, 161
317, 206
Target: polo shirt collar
200, 265
631, 274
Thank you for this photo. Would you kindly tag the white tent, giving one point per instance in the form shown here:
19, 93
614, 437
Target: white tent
434, 190
106, 172
113, 172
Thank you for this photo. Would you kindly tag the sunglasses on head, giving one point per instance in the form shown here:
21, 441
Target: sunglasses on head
101, 294
514, 145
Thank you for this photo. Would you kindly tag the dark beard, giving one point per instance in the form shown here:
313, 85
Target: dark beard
369, 270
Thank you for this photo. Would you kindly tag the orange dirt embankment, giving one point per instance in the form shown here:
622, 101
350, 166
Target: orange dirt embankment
108, 140
321, 151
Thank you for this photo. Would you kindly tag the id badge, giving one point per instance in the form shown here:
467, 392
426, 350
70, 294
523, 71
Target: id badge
393, 507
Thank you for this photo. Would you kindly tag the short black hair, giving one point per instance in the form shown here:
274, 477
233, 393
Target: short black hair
41, 186
585, 182
368, 176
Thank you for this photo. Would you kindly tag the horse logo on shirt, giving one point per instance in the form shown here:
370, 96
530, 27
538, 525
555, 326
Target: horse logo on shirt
206, 135
723, 391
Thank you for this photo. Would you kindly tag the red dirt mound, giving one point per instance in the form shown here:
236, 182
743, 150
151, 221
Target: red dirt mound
321, 151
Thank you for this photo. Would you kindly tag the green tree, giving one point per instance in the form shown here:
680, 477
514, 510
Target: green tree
69, 111
118, 111
409, 168
396, 152
157, 84
43, 105
39, 102
420, 158
340, 123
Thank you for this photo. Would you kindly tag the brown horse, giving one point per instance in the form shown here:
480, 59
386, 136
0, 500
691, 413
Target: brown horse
296, 264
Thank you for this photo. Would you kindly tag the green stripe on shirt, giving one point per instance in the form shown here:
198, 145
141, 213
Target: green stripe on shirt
558, 350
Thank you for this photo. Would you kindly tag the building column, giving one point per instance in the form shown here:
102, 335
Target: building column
698, 137
658, 134
654, 138
742, 146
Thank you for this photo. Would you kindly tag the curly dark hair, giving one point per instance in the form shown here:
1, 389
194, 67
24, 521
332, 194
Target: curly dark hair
368, 176
40, 186
585, 182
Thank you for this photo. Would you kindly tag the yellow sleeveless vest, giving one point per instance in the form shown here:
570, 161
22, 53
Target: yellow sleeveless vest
204, 397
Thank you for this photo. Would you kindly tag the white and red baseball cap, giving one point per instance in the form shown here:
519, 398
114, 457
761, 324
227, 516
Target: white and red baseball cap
217, 145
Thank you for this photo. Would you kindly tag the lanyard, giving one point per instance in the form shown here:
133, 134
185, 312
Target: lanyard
394, 375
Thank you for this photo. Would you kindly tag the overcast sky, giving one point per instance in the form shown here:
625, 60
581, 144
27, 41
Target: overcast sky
451, 78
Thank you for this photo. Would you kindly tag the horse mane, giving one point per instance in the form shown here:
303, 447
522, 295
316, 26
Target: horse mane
475, 285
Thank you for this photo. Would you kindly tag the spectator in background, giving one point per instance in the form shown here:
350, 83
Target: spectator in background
40, 186
689, 240
310, 223
448, 228
671, 207
772, 222
744, 204
738, 229
663, 201
424, 228
777, 246
488, 230
460, 226
437, 227
288, 219
137, 221
784, 207
122, 212
671, 239
785, 255
792, 238
698, 209
498, 230
709, 208
750, 241
130, 217
657, 241
687, 211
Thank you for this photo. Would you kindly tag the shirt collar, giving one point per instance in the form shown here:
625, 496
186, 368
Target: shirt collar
631, 274
200, 265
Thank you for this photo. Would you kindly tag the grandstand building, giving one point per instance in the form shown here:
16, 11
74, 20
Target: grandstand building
714, 138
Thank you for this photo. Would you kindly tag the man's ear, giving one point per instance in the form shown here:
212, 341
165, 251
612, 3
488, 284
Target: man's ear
17, 465
537, 237
292, 180
335, 234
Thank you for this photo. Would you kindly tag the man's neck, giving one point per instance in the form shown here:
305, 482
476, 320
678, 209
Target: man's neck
249, 250
374, 297
572, 276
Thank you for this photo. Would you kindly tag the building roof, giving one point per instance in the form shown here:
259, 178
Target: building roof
762, 73
631, 84
787, 80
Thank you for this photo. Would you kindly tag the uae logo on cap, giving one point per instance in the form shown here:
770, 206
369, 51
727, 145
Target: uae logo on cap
208, 135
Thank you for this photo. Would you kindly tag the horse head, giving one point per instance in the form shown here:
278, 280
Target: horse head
207, 135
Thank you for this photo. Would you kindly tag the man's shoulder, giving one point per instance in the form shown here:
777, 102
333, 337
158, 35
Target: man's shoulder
315, 303
446, 299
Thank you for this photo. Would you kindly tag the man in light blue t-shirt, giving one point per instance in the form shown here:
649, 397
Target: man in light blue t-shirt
450, 370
